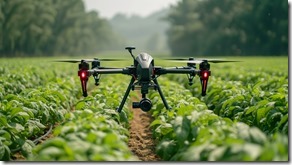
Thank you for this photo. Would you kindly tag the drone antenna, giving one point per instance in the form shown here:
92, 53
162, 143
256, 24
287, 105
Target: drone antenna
130, 48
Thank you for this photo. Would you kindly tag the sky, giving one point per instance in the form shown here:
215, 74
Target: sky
108, 8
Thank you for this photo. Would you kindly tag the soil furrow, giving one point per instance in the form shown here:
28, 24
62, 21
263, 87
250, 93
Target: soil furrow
141, 142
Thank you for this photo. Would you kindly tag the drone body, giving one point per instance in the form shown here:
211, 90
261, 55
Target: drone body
144, 76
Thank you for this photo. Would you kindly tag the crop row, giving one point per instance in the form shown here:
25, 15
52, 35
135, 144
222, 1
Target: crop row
250, 94
17, 75
191, 132
35, 100
94, 131
32, 101
220, 126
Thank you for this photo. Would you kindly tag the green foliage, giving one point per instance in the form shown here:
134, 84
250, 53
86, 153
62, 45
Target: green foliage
49, 27
95, 126
228, 27
32, 100
254, 92
243, 117
191, 132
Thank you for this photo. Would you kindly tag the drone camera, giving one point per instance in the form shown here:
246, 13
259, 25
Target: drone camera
144, 104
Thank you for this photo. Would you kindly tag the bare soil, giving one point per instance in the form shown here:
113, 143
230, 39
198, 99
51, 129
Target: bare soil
141, 142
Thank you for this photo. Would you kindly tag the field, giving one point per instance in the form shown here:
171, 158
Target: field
243, 117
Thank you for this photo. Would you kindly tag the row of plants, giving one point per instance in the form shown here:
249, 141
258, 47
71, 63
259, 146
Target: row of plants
32, 102
254, 93
19, 74
252, 104
191, 132
93, 131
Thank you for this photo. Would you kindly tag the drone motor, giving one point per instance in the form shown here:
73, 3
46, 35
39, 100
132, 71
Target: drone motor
83, 74
204, 76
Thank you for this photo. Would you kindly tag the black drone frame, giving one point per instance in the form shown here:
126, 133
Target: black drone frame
144, 76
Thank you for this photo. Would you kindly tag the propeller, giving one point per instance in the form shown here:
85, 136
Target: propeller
88, 60
211, 60
199, 60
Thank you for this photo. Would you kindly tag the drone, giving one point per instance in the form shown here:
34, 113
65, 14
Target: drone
144, 75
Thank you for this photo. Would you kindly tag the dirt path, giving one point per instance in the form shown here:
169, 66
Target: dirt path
140, 141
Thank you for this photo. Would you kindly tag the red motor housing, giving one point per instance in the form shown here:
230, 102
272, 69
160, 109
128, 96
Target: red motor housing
83, 74
204, 76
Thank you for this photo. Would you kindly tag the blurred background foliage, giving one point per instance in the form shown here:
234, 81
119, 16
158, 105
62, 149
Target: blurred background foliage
49, 27
200, 27
228, 27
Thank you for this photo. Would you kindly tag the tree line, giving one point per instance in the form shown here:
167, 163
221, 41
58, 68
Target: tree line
228, 27
50, 27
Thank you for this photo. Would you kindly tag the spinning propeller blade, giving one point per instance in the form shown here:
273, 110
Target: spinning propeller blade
178, 59
88, 60
208, 60
198, 61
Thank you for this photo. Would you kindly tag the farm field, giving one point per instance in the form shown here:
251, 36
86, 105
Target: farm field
243, 117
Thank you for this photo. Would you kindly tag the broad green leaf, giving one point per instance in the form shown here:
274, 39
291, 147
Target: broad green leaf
156, 122
5, 134
182, 129
27, 147
91, 137
17, 127
165, 129
80, 105
252, 150
217, 153
250, 110
3, 120
56, 142
123, 116
52, 152
283, 121
261, 113
166, 149
257, 136
110, 139
4, 152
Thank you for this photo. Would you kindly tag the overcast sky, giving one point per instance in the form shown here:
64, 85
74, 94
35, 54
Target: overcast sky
108, 8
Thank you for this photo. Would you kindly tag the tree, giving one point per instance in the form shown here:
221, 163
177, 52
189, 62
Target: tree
51, 27
209, 27
37, 30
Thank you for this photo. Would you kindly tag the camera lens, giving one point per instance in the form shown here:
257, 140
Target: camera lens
145, 105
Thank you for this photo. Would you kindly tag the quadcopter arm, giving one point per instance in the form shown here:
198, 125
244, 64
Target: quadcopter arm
203, 73
176, 70
108, 71
84, 73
